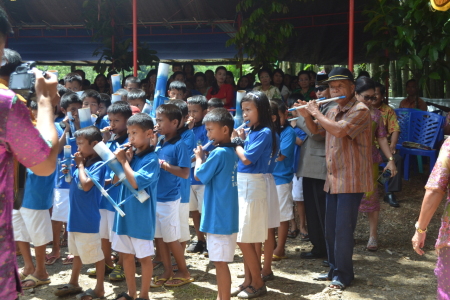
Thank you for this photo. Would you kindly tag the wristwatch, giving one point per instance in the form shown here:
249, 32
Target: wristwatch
391, 158
420, 230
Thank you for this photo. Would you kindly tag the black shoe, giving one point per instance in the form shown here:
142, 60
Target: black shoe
390, 198
310, 255
196, 247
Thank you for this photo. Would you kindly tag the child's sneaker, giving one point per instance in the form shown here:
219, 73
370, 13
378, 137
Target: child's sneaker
196, 247
117, 274
93, 271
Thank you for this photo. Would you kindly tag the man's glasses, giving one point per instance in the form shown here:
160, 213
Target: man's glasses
321, 88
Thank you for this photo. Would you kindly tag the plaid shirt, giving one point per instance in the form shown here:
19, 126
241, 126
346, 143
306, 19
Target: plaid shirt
349, 159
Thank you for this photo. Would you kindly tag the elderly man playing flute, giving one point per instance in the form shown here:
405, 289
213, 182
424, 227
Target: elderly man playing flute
349, 173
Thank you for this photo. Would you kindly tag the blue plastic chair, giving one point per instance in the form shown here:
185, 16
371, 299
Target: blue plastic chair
427, 129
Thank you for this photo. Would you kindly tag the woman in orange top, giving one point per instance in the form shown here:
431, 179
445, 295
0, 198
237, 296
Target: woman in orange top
220, 89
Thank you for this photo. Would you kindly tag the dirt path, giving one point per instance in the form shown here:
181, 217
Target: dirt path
393, 272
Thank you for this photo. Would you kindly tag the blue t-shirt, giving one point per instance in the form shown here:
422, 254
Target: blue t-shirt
102, 122
175, 153
84, 214
273, 158
201, 138
188, 137
284, 170
220, 212
258, 149
139, 219
114, 192
301, 135
60, 180
38, 192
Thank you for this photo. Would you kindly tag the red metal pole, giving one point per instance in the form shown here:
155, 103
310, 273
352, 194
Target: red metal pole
351, 27
135, 52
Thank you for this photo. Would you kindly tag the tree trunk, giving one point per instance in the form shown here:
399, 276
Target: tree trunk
392, 78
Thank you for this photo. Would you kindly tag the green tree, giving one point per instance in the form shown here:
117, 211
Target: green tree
260, 37
413, 34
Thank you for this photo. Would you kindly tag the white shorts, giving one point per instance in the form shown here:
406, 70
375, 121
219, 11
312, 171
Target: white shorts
273, 205
184, 223
286, 203
221, 247
87, 246
196, 197
32, 226
60, 210
168, 221
297, 188
253, 214
106, 224
129, 245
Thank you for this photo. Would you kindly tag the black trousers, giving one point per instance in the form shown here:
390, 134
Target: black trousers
315, 204
395, 183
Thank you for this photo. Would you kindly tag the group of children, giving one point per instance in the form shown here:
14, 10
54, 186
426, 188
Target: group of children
237, 191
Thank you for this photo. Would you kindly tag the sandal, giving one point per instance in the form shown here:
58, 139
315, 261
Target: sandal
154, 282
304, 237
156, 264
255, 292
124, 295
68, 260
237, 290
183, 281
90, 293
372, 245
293, 234
278, 258
337, 285
68, 289
51, 259
37, 282
117, 274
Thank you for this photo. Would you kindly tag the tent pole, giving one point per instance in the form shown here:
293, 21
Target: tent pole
351, 27
135, 53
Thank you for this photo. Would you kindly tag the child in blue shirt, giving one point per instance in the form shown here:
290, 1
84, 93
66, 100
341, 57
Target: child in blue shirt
188, 137
283, 174
70, 102
220, 207
105, 103
118, 114
175, 164
136, 98
254, 157
197, 108
134, 233
84, 213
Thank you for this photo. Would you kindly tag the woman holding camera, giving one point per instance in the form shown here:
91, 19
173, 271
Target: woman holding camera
370, 203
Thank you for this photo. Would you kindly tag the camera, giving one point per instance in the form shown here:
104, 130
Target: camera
23, 78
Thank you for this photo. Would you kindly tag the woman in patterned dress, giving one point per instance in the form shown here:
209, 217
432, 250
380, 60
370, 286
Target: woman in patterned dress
370, 204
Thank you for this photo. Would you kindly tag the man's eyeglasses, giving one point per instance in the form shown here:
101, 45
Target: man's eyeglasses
321, 88
369, 98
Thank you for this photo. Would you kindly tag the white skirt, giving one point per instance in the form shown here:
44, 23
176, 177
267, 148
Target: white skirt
273, 204
252, 208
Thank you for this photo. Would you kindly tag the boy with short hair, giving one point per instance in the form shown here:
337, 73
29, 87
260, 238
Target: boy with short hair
118, 114
214, 103
73, 82
220, 207
91, 99
132, 83
175, 164
177, 67
84, 214
188, 138
123, 93
197, 107
283, 174
136, 98
70, 102
105, 102
177, 90
133, 234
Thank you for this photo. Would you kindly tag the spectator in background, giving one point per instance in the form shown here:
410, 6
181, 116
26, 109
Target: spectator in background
189, 71
101, 84
265, 77
220, 89
413, 100
177, 67
81, 73
151, 84
179, 76
230, 79
294, 83
209, 77
312, 78
393, 130
278, 82
200, 85
287, 81
251, 79
304, 86
244, 84
363, 73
